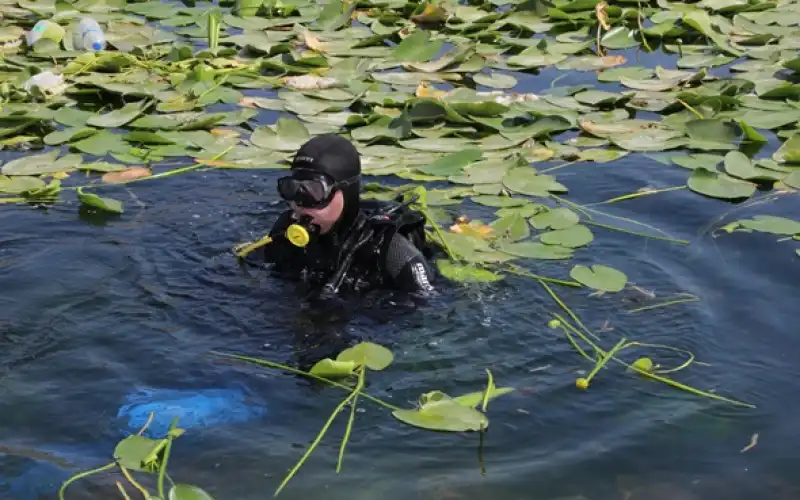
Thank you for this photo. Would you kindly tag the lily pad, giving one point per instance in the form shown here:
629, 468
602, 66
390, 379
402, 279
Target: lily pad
444, 415
571, 237
557, 218
138, 453
373, 356
102, 203
719, 185
464, 273
187, 492
288, 135
328, 368
599, 277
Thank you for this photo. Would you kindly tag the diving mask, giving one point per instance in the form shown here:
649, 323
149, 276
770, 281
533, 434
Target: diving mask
310, 188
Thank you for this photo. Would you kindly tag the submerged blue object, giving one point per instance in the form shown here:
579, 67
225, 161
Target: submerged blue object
200, 408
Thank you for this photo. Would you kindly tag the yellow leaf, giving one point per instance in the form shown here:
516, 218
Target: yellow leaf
476, 229
602, 17
60, 175
313, 42
424, 91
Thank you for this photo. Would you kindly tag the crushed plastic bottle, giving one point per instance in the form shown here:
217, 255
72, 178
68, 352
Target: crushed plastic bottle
40, 30
89, 35
47, 81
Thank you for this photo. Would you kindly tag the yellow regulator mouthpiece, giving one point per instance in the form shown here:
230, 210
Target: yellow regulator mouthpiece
298, 235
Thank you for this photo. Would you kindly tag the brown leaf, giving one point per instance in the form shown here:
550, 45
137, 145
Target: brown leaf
611, 61
126, 175
602, 17
753, 443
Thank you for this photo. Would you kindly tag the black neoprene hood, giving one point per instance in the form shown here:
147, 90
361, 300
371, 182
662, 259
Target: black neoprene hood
336, 157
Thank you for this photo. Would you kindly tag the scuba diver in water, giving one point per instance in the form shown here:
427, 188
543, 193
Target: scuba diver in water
334, 240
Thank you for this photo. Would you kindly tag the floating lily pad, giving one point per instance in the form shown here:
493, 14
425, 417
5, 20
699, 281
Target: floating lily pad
328, 368
187, 492
371, 355
599, 277
444, 415
466, 273
571, 237
718, 185
102, 203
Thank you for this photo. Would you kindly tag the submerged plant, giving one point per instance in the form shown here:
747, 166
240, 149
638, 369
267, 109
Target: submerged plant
140, 454
436, 410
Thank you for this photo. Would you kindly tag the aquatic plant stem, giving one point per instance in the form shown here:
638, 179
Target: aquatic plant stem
664, 304
316, 442
563, 323
636, 233
162, 469
82, 475
295, 371
691, 109
583, 383
637, 194
566, 308
351, 418
129, 477
515, 269
122, 491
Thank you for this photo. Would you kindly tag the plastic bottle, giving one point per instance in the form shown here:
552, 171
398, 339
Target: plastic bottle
36, 32
89, 36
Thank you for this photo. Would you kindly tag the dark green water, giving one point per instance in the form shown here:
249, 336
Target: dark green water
93, 308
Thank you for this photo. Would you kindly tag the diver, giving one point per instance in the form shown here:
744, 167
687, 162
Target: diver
332, 239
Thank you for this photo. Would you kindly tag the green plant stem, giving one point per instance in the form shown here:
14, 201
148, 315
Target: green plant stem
691, 109
162, 470
638, 194
558, 167
664, 304
566, 308
588, 211
129, 477
636, 233
82, 475
351, 418
122, 491
295, 371
665, 380
316, 442
513, 268
604, 359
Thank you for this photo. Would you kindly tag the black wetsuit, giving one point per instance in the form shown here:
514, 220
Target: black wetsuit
388, 259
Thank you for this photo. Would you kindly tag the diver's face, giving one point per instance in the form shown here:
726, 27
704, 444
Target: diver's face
326, 216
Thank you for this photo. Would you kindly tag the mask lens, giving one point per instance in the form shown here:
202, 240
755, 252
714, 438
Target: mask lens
309, 193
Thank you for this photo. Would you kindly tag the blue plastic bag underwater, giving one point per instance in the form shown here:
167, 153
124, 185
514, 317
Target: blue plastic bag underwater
202, 408
194, 408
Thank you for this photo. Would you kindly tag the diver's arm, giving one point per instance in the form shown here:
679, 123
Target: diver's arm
407, 267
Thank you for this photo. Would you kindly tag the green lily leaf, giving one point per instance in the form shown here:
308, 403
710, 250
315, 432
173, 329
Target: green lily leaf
789, 152
138, 453
495, 80
187, 492
557, 218
445, 414
525, 180
452, 163
32, 164
105, 204
417, 47
767, 224
21, 185
118, 117
473, 399
373, 356
599, 277
328, 368
288, 135
511, 228
718, 185
536, 250
571, 237
739, 165
466, 273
